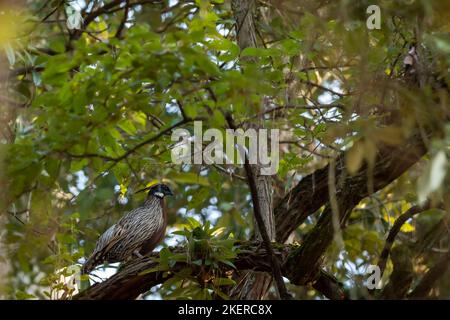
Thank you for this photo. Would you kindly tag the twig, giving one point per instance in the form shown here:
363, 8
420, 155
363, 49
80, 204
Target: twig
132, 150
293, 106
341, 95
124, 20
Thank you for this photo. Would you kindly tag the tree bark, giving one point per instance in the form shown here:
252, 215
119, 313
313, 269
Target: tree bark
7, 115
254, 285
390, 164
132, 280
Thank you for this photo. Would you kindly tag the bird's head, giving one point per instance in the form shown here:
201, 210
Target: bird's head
159, 190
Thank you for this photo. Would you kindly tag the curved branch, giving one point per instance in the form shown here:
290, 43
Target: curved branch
262, 228
402, 275
390, 164
311, 193
401, 220
123, 21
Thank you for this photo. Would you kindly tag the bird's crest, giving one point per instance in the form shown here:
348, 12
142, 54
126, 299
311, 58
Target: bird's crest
149, 185
152, 183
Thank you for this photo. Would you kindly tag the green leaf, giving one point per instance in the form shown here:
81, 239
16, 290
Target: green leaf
224, 282
36, 78
229, 263
20, 295
252, 52
10, 54
154, 269
128, 127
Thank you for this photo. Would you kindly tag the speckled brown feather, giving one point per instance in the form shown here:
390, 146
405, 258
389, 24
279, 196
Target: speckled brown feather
139, 230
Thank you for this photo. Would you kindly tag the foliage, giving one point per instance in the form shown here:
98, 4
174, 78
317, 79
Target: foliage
91, 111
208, 249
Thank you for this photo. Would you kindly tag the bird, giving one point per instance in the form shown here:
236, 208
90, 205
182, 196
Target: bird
136, 234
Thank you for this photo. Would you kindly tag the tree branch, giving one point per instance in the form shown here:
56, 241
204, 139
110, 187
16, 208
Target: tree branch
133, 280
402, 275
255, 285
124, 20
133, 149
311, 192
301, 202
276, 269
401, 220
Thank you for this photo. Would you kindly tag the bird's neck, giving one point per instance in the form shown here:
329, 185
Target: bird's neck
151, 201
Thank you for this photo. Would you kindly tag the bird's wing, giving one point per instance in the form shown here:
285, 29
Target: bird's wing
109, 238
116, 233
104, 244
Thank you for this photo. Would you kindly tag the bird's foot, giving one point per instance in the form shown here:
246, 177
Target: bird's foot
137, 254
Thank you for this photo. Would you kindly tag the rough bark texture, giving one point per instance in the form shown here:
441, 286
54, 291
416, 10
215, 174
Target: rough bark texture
311, 192
6, 136
302, 265
253, 285
401, 220
390, 164
130, 283
132, 280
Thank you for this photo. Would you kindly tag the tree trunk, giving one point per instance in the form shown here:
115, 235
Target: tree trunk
6, 136
253, 285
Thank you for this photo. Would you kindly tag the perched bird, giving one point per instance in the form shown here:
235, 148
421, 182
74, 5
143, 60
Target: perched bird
136, 234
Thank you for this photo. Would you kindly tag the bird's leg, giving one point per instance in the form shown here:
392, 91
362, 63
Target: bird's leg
137, 254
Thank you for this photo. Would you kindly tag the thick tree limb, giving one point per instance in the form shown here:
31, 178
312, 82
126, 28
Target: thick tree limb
301, 265
390, 164
311, 193
328, 285
130, 281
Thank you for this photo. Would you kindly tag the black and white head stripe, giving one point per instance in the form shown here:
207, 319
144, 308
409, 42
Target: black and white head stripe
160, 191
